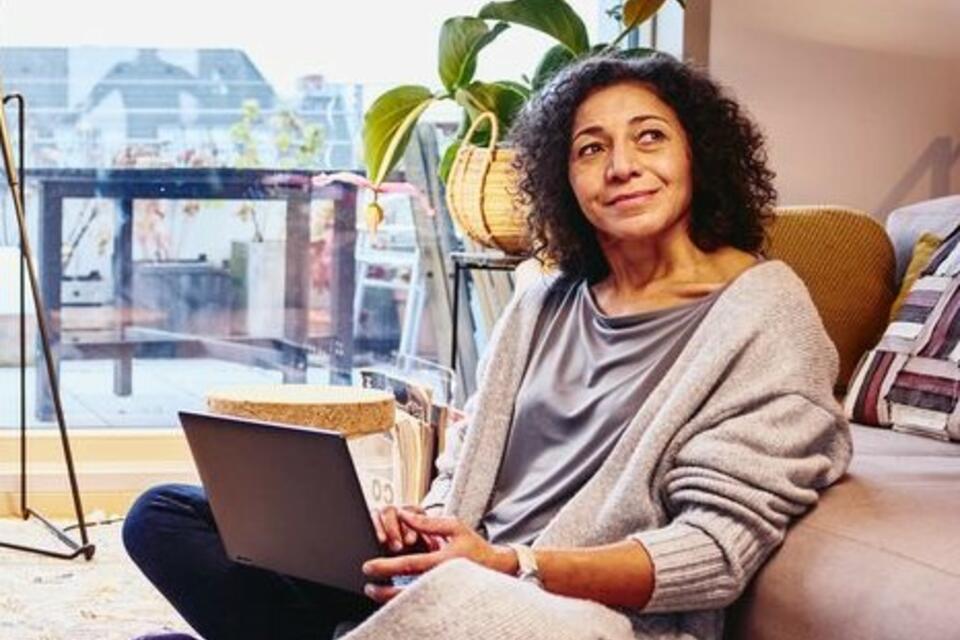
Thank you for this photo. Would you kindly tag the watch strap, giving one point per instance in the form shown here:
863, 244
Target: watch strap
528, 570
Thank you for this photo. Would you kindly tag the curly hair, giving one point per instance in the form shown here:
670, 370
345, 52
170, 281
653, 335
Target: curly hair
733, 188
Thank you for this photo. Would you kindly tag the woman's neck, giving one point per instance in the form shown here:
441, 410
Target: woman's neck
646, 275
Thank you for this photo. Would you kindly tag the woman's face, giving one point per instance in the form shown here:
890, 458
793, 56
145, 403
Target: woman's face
629, 163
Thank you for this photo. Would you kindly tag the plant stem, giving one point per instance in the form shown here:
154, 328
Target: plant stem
623, 34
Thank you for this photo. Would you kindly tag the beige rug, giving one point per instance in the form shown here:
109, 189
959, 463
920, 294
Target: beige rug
48, 599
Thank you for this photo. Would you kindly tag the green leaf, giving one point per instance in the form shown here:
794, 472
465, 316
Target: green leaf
504, 99
387, 126
461, 39
553, 17
638, 11
443, 171
516, 87
556, 58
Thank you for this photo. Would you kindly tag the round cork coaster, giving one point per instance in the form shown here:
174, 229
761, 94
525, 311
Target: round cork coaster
350, 410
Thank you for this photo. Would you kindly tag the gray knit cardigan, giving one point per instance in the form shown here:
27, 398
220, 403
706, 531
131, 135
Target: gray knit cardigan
733, 444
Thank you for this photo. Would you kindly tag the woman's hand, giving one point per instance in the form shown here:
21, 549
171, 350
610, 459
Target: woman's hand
448, 538
392, 533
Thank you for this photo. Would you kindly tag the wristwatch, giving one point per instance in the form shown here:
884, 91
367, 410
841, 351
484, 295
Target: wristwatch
527, 570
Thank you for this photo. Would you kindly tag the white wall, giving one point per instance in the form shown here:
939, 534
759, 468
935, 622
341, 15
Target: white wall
860, 98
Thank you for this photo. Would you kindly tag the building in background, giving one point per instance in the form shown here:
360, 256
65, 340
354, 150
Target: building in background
92, 106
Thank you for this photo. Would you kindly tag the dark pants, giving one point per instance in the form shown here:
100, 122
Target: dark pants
171, 536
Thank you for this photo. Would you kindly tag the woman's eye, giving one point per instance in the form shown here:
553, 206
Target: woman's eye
589, 149
649, 136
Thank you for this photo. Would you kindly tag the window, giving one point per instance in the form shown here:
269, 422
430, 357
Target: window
172, 152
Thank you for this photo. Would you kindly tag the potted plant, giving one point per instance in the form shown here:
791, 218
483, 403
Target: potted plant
476, 177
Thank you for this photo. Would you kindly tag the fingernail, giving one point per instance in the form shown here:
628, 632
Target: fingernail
366, 568
368, 590
396, 545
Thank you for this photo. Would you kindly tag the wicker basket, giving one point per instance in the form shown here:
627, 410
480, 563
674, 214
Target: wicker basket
480, 193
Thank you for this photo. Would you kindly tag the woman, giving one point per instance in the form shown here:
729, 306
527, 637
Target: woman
649, 421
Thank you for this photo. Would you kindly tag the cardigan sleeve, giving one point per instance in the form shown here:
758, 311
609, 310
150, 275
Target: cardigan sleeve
732, 490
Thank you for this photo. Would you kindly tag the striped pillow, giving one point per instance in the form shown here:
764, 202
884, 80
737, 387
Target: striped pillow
911, 380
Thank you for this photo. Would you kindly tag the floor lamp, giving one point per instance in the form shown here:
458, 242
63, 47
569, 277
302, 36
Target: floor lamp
14, 180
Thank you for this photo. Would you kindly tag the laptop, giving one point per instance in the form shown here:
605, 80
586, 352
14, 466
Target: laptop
284, 498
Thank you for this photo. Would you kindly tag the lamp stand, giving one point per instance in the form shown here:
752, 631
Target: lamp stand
15, 181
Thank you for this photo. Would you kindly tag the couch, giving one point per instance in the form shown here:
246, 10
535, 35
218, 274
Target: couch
879, 556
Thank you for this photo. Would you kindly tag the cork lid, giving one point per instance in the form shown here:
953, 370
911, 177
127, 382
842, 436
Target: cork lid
349, 410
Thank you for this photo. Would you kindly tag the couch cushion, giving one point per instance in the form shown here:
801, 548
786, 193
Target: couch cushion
906, 224
922, 252
846, 261
911, 380
877, 559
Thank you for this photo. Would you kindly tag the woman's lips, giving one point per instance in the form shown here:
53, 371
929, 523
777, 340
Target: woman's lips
634, 197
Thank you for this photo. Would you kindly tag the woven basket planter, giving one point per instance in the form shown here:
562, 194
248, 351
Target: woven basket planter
480, 192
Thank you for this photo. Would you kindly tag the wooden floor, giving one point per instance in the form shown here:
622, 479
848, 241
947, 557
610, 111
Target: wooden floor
103, 599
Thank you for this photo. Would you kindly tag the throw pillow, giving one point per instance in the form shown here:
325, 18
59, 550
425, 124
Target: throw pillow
845, 259
911, 380
922, 252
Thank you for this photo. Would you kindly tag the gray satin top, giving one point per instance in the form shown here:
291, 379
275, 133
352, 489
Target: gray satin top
588, 373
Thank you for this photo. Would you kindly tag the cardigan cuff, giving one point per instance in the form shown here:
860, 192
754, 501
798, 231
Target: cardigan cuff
690, 569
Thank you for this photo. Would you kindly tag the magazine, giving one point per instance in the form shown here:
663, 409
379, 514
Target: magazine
396, 467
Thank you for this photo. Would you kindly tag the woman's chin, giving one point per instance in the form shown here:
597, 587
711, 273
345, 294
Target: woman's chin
634, 230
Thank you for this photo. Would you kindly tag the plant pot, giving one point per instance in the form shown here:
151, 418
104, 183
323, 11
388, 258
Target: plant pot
480, 194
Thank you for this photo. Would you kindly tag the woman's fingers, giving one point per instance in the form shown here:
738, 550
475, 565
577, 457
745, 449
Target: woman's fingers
440, 526
396, 533
409, 534
413, 564
434, 543
381, 593
391, 524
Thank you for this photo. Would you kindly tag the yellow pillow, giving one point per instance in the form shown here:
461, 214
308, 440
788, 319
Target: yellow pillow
922, 252
845, 259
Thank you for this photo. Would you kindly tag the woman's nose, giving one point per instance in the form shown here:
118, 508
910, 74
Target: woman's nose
622, 164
